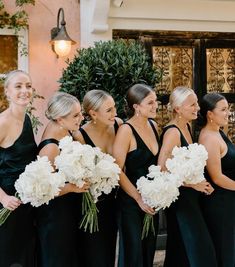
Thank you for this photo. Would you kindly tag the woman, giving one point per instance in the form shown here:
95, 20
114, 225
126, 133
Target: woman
17, 149
219, 208
135, 149
57, 223
188, 240
98, 248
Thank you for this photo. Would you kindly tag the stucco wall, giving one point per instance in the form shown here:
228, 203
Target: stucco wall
44, 67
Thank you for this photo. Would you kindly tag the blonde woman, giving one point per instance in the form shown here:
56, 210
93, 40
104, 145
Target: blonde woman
98, 249
219, 208
188, 240
17, 149
57, 223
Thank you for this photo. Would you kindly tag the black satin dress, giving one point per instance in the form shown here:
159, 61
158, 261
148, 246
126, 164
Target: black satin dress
57, 228
219, 211
17, 234
98, 249
134, 252
189, 243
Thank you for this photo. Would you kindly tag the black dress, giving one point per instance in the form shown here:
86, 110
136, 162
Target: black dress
57, 228
219, 211
98, 248
17, 234
189, 243
134, 252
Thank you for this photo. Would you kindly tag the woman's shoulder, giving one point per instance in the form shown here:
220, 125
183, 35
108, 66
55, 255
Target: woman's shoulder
119, 121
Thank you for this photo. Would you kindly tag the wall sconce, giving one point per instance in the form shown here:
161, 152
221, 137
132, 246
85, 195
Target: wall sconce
60, 40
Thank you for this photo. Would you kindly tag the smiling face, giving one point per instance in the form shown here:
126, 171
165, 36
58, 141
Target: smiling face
148, 106
189, 108
106, 112
219, 115
19, 90
73, 120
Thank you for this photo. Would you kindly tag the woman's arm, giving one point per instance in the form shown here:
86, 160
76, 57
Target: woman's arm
120, 149
213, 147
171, 139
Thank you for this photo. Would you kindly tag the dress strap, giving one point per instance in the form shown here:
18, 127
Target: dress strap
154, 130
138, 139
116, 126
86, 137
46, 142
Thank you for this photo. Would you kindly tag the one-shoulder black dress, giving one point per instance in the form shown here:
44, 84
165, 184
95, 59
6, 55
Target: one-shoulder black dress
98, 248
17, 234
57, 228
189, 243
135, 252
219, 211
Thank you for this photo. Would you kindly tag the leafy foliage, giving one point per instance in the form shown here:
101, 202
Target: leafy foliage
112, 66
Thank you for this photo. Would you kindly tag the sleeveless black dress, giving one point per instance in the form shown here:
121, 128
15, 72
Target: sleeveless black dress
134, 252
17, 234
219, 211
189, 243
98, 248
57, 228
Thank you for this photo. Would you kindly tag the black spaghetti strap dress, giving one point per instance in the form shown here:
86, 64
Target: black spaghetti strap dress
134, 252
219, 211
189, 243
17, 234
57, 228
98, 248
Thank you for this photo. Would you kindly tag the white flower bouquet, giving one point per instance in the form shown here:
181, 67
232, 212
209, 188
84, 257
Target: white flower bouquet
37, 185
80, 163
158, 190
188, 163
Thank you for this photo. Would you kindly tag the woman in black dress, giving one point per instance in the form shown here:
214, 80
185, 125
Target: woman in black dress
98, 248
57, 222
135, 149
17, 149
188, 241
219, 208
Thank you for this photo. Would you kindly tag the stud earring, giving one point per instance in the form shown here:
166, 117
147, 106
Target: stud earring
94, 121
211, 121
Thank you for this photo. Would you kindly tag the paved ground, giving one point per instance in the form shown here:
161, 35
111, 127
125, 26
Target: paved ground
159, 258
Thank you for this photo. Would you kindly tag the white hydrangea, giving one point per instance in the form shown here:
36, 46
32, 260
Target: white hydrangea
83, 162
158, 189
38, 184
188, 163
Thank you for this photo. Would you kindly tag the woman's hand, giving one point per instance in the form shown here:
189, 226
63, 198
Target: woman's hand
10, 202
204, 187
146, 208
83, 189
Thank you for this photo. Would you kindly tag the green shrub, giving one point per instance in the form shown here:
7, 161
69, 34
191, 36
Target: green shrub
112, 66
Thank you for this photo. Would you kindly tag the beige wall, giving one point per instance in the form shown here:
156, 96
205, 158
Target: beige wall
44, 67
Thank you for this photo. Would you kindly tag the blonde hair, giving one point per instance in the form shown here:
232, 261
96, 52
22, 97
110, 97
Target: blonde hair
177, 97
10, 75
60, 105
93, 100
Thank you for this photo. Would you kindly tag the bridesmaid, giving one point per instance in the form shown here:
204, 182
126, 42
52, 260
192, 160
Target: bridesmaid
57, 223
188, 240
219, 208
17, 149
135, 149
98, 248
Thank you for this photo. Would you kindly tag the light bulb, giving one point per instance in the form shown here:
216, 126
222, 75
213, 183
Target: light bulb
62, 48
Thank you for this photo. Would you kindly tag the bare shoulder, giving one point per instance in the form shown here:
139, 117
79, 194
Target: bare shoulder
119, 121
172, 133
4, 124
78, 136
208, 137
